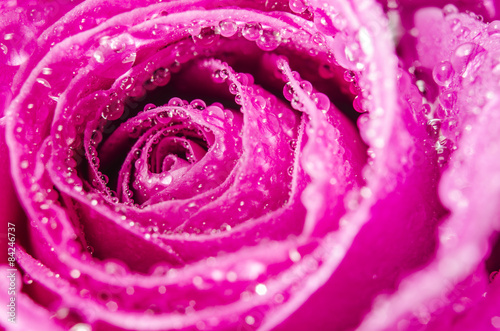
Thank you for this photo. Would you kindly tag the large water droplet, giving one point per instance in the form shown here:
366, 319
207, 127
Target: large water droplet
269, 40
207, 36
448, 99
494, 28
251, 31
322, 101
462, 56
259, 102
113, 111
228, 28
215, 115
450, 9
297, 6
359, 105
161, 77
198, 104
288, 91
443, 73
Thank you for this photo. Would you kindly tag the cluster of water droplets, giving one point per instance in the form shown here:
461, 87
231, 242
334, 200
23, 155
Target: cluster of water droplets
207, 35
457, 79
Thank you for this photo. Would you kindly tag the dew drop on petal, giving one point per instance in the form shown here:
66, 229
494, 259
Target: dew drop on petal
161, 77
251, 31
448, 99
99, 56
494, 28
297, 6
261, 289
81, 327
269, 39
198, 104
259, 102
495, 322
228, 28
461, 57
250, 320
443, 73
175, 102
288, 91
207, 36
44, 82
450, 9
75, 273
325, 22
358, 104
322, 101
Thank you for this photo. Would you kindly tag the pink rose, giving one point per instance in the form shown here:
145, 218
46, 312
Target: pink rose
241, 165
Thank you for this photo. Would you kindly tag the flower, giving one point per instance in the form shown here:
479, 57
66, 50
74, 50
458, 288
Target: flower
241, 165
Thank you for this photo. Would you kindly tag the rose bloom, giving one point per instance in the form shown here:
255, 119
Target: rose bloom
249, 165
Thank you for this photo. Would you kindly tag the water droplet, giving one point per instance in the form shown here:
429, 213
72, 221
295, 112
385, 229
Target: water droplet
161, 77
251, 31
149, 106
215, 115
207, 36
325, 23
81, 327
44, 82
219, 76
273, 123
228, 28
164, 117
353, 53
198, 104
99, 56
176, 102
448, 99
288, 91
113, 111
494, 28
294, 255
495, 322
27, 279
166, 178
359, 105
261, 289
322, 101
443, 73
75, 273
250, 320
112, 306
269, 39
450, 9
318, 39
259, 102
297, 6
118, 44
461, 57
233, 88
288, 32
306, 86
